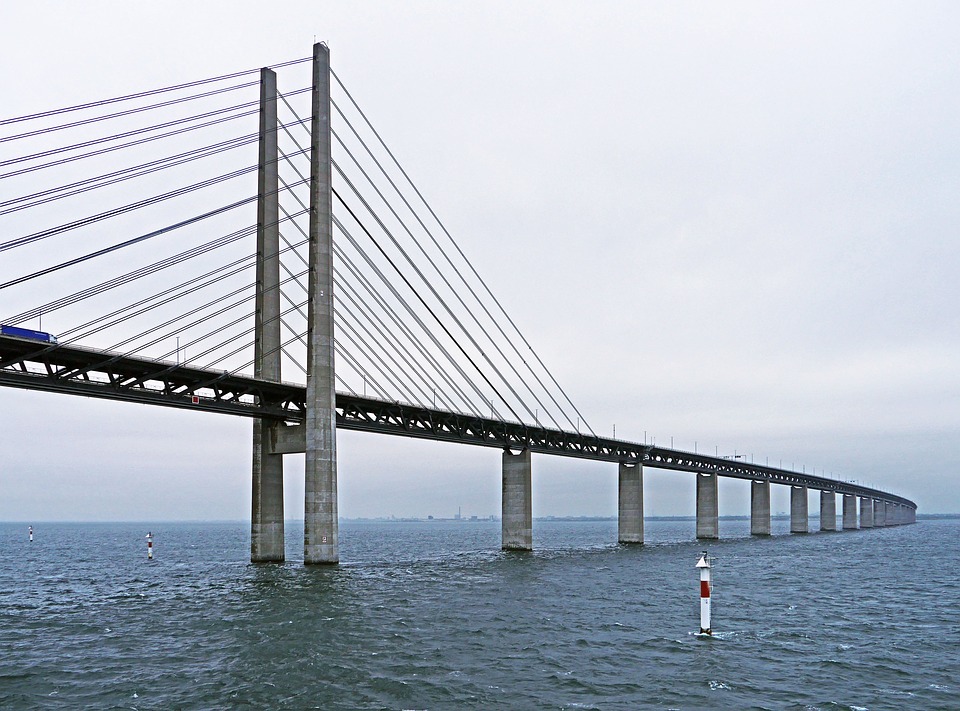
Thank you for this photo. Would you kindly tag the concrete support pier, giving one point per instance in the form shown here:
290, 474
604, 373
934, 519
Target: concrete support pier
799, 511
828, 511
320, 525
760, 508
630, 503
866, 512
849, 512
266, 518
708, 511
517, 511
879, 514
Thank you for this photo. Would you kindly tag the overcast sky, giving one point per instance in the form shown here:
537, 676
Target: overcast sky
729, 224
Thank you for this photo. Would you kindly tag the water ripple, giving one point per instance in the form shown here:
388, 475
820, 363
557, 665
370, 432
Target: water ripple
579, 624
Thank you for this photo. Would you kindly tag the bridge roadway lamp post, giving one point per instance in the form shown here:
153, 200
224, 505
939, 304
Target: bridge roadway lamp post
704, 566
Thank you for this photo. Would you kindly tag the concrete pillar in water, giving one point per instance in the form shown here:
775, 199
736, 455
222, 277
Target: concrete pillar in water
866, 512
266, 519
879, 514
630, 503
760, 508
891, 514
517, 512
799, 512
828, 511
708, 511
320, 525
849, 512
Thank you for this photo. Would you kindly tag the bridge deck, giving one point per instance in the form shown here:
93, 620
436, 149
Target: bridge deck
94, 373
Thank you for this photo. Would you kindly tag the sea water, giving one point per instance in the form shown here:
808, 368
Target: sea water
433, 615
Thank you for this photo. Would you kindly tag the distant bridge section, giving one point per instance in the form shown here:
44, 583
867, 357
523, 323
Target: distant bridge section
304, 245
90, 372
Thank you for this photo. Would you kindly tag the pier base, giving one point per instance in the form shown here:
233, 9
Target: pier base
760, 508
849, 512
879, 514
828, 511
708, 511
266, 523
799, 511
517, 514
630, 504
866, 512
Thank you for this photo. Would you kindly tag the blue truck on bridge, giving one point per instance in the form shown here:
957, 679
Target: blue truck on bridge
27, 333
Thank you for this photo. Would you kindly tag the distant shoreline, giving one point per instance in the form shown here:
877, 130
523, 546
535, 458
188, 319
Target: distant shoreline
414, 519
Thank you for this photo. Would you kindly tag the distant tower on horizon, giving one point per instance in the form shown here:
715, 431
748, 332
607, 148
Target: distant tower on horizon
458, 514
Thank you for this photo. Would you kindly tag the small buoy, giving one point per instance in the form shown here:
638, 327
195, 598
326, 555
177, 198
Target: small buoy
149, 546
30, 529
704, 565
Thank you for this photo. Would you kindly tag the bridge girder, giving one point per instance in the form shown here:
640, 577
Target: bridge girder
94, 373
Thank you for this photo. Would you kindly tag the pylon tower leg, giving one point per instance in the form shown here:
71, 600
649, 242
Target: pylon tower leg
266, 521
320, 529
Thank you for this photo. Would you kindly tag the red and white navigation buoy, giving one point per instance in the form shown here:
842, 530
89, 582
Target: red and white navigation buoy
30, 528
704, 565
149, 546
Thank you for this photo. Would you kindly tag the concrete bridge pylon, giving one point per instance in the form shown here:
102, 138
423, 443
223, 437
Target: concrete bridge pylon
320, 528
266, 521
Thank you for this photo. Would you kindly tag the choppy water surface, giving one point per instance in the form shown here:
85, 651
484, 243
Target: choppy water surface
433, 615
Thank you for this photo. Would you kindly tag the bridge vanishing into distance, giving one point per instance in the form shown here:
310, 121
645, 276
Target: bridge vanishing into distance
350, 267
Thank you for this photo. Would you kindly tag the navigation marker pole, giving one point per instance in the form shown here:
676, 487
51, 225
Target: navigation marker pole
704, 565
149, 546
30, 528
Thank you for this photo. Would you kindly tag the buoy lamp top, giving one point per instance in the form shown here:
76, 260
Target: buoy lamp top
703, 562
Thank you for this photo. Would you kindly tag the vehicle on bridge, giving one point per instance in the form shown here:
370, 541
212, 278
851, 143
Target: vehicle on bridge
27, 334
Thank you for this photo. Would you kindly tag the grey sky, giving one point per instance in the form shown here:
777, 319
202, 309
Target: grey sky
730, 224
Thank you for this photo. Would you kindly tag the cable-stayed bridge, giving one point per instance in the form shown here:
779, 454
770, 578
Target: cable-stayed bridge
248, 244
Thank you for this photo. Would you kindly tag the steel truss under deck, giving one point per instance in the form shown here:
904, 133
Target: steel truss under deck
94, 373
